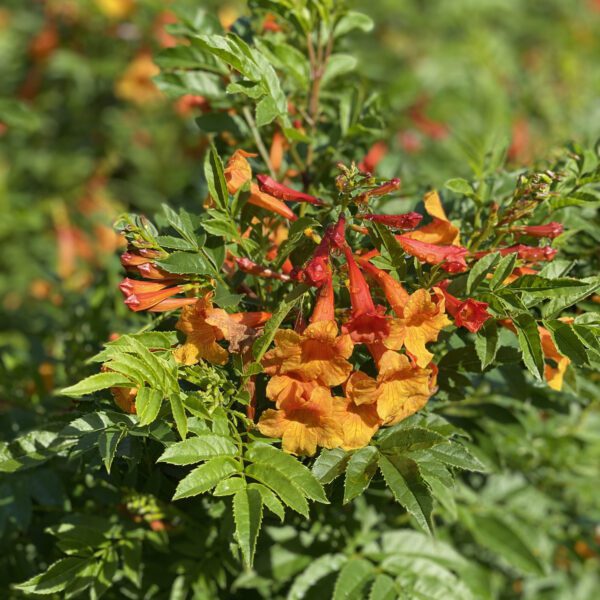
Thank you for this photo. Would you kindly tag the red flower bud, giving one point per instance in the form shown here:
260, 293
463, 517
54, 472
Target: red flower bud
137, 301
549, 230
171, 304
406, 221
324, 307
336, 234
450, 258
393, 290
282, 192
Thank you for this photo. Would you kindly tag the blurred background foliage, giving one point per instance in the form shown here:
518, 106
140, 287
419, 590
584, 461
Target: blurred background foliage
85, 135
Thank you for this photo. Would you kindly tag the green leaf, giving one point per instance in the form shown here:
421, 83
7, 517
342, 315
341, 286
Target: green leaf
56, 577
404, 480
266, 111
408, 440
247, 515
480, 269
108, 442
549, 288
131, 554
486, 343
280, 484
500, 537
505, 267
269, 499
352, 579
330, 464
94, 383
199, 448
289, 466
361, 468
205, 477
338, 66
566, 341
229, 487
353, 20
317, 570
456, 455
261, 345
384, 588
178, 411
530, 344
460, 186
557, 305
147, 404
186, 263
215, 178
182, 223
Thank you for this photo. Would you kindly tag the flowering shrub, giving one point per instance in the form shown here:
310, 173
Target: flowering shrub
318, 343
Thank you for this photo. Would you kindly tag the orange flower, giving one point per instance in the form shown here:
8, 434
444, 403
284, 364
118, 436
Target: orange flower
400, 390
204, 326
238, 171
136, 85
422, 320
359, 422
318, 355
393, 290
440, 231
303, 425
556, 364
125, 398
470, 314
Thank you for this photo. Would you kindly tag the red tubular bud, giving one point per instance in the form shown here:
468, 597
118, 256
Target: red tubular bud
470, 314
171, 304
549, 230
393, 290
336, 234
406, 221
360, 294
138, 301
450, 258
134, 286
151, 271
131, 259
282, 192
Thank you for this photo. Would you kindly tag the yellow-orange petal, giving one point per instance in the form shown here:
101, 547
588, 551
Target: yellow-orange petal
362, 389
238, 171
283, 388
359, 423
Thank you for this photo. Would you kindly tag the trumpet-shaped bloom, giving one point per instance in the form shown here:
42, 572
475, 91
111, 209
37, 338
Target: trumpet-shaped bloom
359, 422
318, 354
303, 425
393, 290
238, 171
450, 258
400, 390
422, 320
367, 323
470, 314
204, 326
440, 231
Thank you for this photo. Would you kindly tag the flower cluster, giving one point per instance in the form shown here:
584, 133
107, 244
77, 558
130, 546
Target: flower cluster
356, 365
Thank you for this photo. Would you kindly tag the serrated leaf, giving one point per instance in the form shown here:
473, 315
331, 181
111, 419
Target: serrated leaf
456, 455
549, 288
557, 305
505, 267
352, 579
229, 487
261, 345
317, 570
406, 484
359, 472
95, 383
56, 577
409, 440
196, 449
530, 344
108, 442
330, 464
280, 484
147, 404
291, 467
178, 410
566, 341
247, 515
383, 588
186, 263
205, 477
486, 343
479, 271
269, 499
